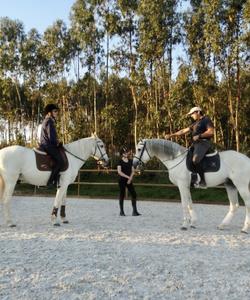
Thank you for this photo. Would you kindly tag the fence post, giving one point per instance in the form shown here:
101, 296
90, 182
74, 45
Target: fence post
78, 184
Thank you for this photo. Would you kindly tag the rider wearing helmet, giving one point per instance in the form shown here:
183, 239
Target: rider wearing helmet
49, 142
202, 132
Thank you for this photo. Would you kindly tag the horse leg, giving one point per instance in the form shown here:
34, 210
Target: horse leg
192, 212
245, 195
232, 194
7, 194
62, 210
57, 203
185, 202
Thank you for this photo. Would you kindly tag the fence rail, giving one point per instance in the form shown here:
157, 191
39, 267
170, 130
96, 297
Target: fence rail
79, 183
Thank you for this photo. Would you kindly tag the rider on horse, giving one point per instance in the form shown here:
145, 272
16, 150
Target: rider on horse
49, 142
202, 132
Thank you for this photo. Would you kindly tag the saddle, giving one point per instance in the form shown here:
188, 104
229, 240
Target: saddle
210, 163
45, 162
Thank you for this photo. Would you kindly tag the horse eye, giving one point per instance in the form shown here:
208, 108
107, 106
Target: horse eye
139, 150
101, 146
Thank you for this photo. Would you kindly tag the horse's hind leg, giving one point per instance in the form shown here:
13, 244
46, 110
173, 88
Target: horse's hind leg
245, 194
7, 194
232, 194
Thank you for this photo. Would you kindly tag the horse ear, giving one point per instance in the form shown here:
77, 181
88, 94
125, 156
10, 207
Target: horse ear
94, 135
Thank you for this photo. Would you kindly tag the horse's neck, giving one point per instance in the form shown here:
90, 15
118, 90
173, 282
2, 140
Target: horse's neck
81, 148
164, 150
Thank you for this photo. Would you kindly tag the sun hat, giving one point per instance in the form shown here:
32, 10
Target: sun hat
194, 109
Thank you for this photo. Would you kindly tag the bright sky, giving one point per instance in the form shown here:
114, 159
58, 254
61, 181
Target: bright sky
37, 14
40, 14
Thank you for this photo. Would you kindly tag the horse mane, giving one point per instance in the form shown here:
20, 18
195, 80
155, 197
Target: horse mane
166, 147
88, 138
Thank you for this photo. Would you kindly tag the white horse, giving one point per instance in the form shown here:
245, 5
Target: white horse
18, 162
234, 172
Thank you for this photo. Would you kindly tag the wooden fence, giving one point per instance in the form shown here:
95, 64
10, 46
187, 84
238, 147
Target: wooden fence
78, 181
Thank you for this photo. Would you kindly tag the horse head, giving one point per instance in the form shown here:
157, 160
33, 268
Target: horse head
99, 152
141, 156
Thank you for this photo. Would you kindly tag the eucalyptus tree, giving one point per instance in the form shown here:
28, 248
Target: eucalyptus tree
124, 55
107, 21
182, 95
34, 67
56, 53
85, 32
158, 33
232, 59
56, 49
214, 36
11, 41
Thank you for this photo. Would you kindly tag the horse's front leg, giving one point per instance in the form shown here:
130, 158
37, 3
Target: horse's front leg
62, 210
189, 215
57, 203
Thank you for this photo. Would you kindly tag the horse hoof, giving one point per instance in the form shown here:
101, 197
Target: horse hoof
193, 227
243, 231
183, 228
65, 222
220, 227
57, 224
12, 225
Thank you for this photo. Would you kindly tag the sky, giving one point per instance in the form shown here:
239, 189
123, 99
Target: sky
40, 14
37, 14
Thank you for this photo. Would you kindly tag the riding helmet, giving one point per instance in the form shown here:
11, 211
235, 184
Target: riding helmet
123, 150
49, 107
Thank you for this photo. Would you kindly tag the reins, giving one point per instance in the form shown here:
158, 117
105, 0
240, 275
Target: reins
178, 162
84, 160
66, 150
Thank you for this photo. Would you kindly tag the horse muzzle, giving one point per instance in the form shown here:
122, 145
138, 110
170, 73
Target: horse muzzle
103, 162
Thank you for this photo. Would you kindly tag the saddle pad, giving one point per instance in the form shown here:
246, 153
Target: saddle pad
209, 163
44, 162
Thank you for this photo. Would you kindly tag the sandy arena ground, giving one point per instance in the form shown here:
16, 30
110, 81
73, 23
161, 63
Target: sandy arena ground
101, 255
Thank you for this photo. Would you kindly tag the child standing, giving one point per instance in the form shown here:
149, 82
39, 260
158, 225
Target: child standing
125, 171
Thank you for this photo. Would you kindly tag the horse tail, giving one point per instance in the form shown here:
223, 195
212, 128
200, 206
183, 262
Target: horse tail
2, 185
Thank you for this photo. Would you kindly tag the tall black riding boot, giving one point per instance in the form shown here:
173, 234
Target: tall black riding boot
121, 207
199, 169
135, 212
53, 178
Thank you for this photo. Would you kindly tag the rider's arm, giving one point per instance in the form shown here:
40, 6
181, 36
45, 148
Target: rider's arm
178, 133
132, 174
207, 134
119, 170
52, 134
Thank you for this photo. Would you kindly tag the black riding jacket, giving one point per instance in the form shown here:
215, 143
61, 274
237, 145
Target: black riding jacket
48, 133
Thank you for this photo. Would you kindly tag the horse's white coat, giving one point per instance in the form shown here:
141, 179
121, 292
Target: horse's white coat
19, 162
234, 166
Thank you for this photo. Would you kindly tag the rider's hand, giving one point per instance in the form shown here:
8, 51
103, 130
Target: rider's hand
196, 137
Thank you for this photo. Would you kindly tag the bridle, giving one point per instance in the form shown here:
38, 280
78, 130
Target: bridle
97, 146
144, 148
